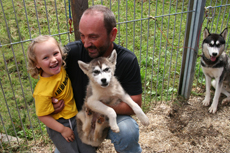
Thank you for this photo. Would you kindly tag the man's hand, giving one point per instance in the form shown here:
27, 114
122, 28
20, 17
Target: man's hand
58, 105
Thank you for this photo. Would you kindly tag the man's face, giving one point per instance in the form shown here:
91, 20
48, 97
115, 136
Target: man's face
94, 35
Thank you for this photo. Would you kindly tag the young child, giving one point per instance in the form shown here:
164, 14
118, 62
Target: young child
46, 58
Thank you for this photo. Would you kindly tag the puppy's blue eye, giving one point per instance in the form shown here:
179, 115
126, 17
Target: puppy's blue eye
96, 72
106, 70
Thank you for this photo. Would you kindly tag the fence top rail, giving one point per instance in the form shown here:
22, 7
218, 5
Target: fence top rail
14, 43
208, 7
156, 17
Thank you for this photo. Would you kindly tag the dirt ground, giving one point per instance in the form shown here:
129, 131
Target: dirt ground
182, 127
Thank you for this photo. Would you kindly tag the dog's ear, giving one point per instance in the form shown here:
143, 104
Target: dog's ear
84, 67
206, 33
224, 33
113, 57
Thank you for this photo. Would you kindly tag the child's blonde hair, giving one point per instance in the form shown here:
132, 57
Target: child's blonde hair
32, 62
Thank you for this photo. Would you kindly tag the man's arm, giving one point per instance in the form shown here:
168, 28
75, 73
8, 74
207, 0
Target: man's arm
124, 109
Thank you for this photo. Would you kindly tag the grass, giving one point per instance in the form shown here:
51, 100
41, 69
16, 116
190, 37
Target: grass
158, 45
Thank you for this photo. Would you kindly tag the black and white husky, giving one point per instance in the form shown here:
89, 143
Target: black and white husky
215, 64
103, 91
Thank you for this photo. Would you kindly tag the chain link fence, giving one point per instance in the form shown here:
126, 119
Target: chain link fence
164, 35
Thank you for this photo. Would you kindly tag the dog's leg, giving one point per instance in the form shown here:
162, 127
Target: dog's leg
100, 125
206, 100
101, 108
86, 127
225, 101
224, 91
98, 128
136, 108
81, 116
218, 88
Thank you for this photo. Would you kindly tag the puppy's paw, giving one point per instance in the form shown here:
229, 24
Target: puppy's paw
226, 101
212, 109
206, 102
115, 129
95, 139
145, 121
86, 134
101, 119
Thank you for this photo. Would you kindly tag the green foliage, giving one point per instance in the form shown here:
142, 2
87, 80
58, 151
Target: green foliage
28, 134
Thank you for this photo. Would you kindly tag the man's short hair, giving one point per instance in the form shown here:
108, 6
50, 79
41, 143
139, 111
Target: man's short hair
109, 18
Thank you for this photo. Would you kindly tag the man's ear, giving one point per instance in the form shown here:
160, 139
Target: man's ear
113, 34
84, 67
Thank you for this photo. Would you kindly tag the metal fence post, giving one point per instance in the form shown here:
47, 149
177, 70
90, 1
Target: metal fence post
78, 7
191, 43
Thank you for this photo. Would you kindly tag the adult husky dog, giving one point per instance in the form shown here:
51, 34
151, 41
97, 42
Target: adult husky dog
103, 91
215, 64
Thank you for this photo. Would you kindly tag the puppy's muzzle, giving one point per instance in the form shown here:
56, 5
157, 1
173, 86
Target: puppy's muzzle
104, 82
214, 54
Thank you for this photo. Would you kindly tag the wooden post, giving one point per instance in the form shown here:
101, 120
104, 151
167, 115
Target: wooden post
78, 7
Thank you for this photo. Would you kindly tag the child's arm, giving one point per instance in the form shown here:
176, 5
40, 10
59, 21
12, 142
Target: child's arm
66, 132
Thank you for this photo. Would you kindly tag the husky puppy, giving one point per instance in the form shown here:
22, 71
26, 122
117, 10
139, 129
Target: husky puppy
103, 90
215, 64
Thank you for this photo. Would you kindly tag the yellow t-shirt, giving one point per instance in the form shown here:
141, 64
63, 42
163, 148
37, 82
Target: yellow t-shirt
57, 86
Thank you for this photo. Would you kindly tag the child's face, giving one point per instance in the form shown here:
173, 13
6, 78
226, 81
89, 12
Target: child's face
48, 58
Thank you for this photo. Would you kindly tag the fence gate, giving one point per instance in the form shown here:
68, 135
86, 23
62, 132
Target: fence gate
165, 36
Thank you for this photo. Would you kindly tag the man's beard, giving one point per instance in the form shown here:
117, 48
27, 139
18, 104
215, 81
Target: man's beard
101, 50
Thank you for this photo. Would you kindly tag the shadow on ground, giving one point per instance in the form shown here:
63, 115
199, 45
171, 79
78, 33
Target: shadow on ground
183, 127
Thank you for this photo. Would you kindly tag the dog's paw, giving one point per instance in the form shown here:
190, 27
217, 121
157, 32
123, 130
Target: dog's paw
95, 139
115, 129
226, 101
206, 102
86, 134
212, 109
145, 121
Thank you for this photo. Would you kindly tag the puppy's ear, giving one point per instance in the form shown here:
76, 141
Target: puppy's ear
224, 33
205, 33
84, 67
113, 57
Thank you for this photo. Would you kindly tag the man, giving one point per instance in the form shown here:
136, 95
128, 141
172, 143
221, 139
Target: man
98, 30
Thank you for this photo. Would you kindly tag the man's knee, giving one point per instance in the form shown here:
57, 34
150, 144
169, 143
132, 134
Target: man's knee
127, 139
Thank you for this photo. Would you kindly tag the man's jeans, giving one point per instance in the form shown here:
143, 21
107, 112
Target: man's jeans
126, 141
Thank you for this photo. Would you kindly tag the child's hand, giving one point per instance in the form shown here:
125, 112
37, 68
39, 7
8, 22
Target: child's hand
68, 134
